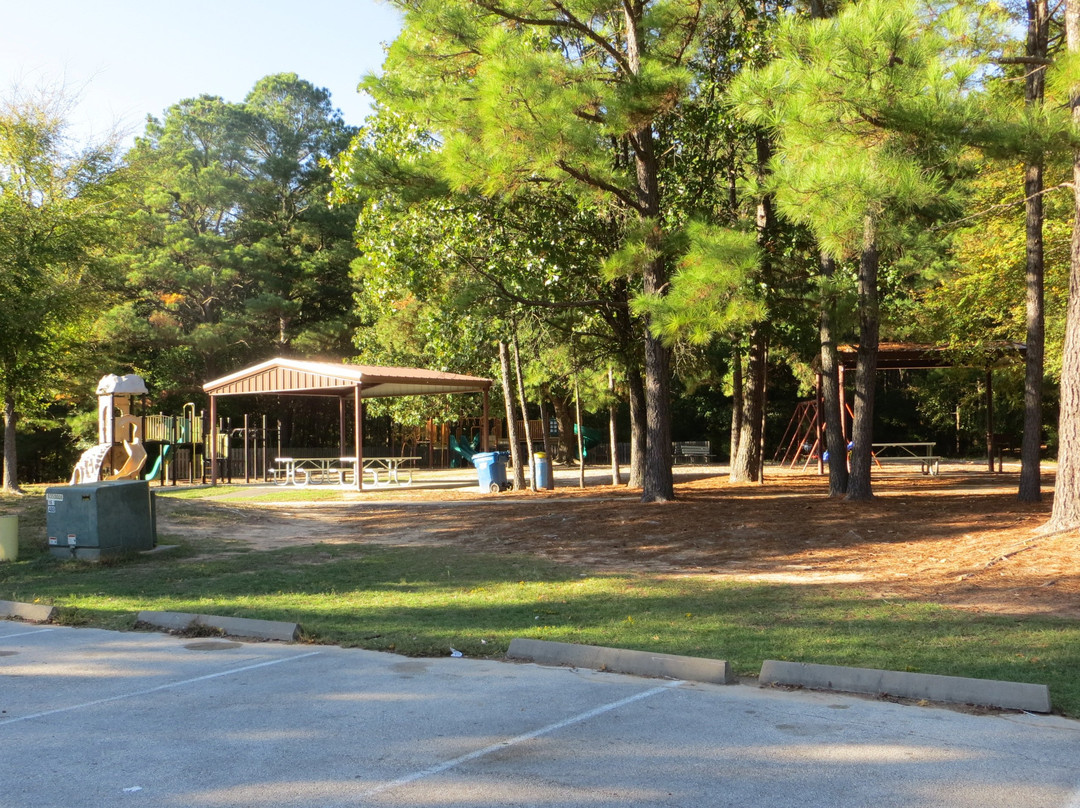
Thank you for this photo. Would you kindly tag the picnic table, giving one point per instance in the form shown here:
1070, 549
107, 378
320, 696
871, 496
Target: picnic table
390, 465
301, 471
919, 453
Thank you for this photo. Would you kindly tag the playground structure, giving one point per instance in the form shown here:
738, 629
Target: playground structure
138, 447
119, 453
804, 438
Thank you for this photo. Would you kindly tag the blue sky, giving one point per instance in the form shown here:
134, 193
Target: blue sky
124, 59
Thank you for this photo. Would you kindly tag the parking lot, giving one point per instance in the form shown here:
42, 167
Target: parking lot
98, 718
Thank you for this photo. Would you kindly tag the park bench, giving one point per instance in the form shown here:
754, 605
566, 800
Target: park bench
692, 451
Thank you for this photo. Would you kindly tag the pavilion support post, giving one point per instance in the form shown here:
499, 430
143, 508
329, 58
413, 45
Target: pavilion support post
213, 440
358, 437
265, 454
843, 407
990, 418
819, 427
341, 426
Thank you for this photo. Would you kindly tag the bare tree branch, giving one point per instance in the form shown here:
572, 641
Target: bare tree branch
584, 176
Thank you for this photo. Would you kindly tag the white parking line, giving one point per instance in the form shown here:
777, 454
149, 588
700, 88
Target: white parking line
528, 736
26, 633
148, 690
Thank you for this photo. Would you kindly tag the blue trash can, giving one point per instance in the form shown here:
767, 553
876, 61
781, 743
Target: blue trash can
491, 469
543, 470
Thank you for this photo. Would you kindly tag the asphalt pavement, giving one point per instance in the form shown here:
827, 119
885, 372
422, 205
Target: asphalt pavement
99, 718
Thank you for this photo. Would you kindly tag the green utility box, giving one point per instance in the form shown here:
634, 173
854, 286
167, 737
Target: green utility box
98, 520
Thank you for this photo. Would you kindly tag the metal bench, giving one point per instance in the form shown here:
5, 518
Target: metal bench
692, 451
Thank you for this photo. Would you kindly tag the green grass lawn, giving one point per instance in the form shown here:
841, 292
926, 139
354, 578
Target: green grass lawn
424, 600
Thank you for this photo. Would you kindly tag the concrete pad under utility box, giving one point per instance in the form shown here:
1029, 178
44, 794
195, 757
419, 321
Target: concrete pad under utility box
932, 687
621, 660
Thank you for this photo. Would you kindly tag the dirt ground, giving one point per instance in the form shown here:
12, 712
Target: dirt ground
960, 538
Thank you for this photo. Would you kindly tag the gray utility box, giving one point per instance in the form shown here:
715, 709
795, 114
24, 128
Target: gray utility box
99, 520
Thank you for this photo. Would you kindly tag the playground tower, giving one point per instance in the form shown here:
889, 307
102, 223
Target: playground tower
119, 454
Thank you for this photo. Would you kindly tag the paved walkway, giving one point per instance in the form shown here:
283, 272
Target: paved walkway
99, 718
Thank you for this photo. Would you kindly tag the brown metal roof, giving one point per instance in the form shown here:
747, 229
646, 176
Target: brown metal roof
911, 356
296, 377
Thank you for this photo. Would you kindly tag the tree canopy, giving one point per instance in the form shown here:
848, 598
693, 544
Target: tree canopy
57, 207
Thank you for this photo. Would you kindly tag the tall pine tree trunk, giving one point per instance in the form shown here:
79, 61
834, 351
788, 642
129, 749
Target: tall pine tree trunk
832, 401
736, 407
746, 466
658, 484
613, 436
862, 427
511, 419
524, 414
635, 387
830, 385
1065, 514
748, 463
1030, 482
580, 436
11, 473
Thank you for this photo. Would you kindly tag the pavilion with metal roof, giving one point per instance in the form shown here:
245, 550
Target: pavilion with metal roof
347, 383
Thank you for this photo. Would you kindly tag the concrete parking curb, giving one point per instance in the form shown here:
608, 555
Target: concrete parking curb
32, 612
620, 660
932, 687
233, 626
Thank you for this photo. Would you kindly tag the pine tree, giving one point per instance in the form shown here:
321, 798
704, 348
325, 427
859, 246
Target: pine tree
524, 93
841, 167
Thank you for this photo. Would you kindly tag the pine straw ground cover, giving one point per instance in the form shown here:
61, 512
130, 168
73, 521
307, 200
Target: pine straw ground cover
941, 574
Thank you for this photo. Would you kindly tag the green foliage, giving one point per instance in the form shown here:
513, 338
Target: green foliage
234, 252
522, 93
981, 299
835, 95
444, 276
711, 290
57, 216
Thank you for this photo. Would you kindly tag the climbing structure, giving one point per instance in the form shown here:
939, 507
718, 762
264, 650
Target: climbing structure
802, 441
119, 453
